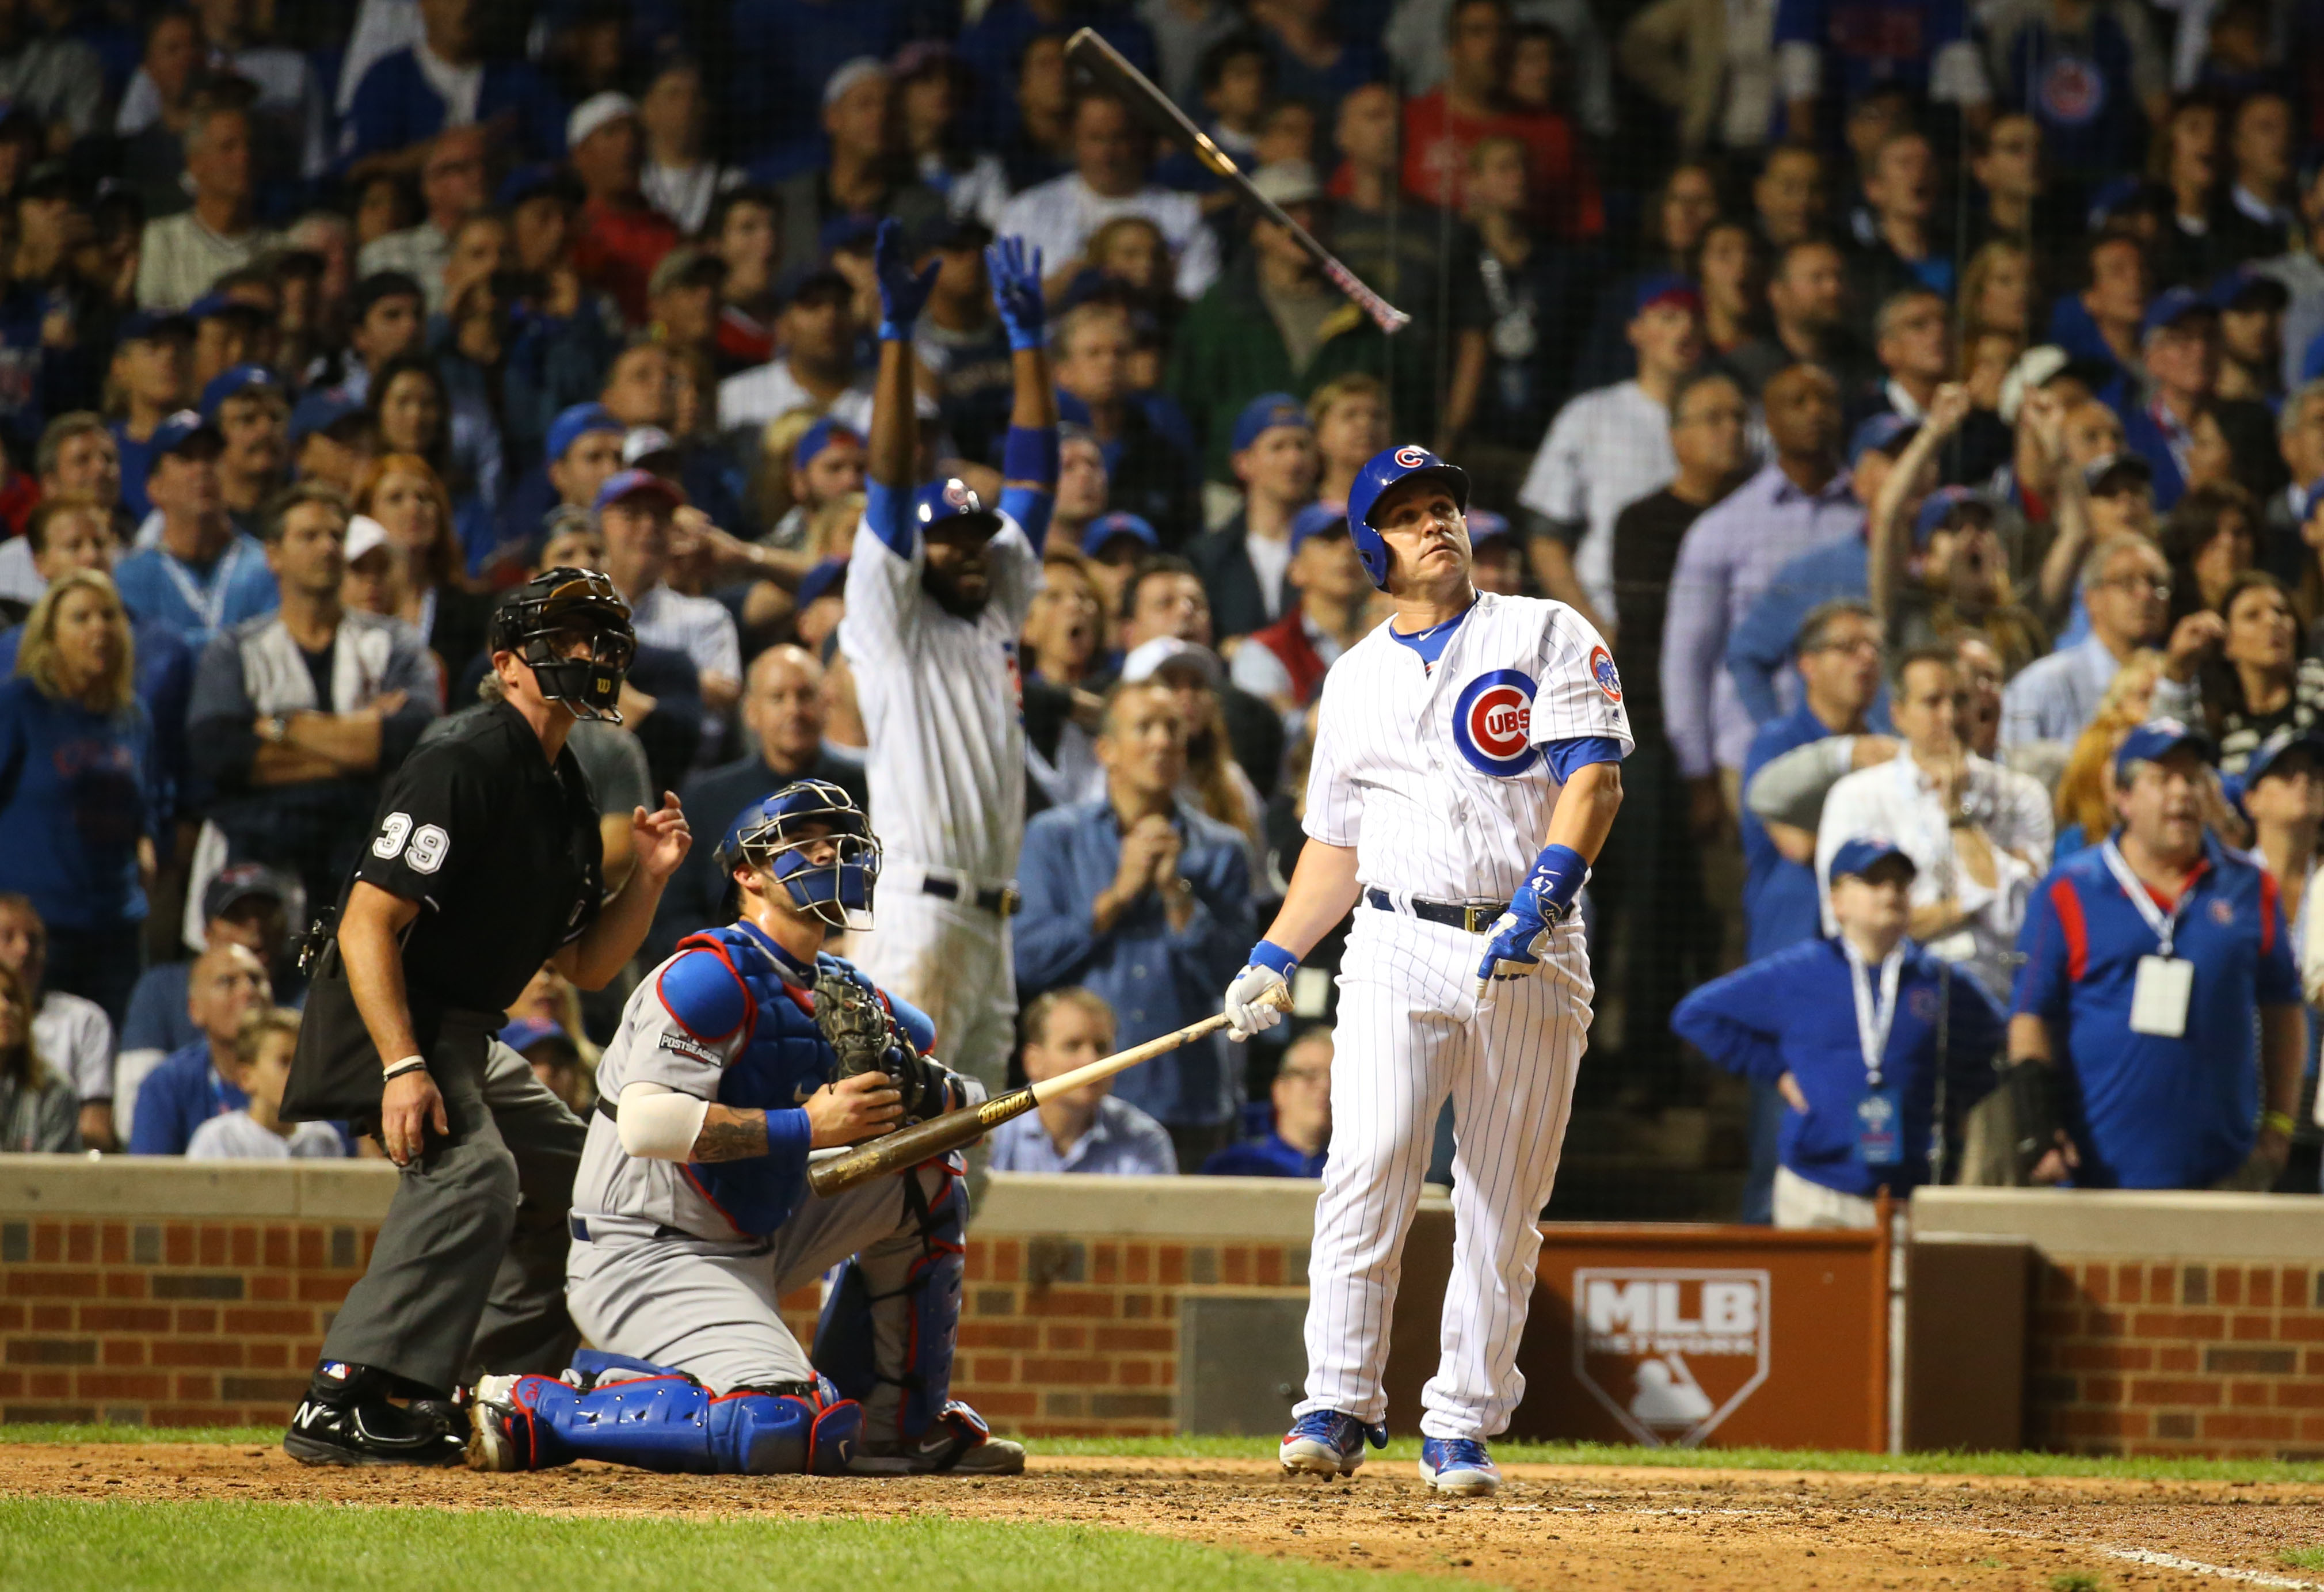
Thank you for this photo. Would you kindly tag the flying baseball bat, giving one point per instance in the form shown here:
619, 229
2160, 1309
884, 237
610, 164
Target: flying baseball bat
923, 1141
1102, 61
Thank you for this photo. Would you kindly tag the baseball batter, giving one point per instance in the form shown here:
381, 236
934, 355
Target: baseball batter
736, 1058
937, 591
1467, 768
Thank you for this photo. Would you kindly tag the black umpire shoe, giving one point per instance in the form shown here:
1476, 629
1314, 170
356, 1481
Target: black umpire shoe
345, 1418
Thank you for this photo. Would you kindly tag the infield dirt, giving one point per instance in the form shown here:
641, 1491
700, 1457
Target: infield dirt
1551, 1527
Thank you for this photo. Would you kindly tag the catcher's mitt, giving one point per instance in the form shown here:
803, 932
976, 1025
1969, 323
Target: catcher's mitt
860, 1030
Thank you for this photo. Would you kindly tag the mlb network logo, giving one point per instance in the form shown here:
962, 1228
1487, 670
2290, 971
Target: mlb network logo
1669, 1353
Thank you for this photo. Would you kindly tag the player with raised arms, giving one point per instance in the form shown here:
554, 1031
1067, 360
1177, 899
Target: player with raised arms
738, 1057
1467, 768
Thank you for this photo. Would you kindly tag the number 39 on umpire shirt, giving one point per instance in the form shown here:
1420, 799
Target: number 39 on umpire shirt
501, 851
2147, 1111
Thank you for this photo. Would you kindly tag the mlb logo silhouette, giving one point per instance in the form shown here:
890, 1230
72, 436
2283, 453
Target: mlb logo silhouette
1669, 1353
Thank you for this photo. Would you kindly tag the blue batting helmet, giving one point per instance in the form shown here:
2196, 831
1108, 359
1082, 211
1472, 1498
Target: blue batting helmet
1383, 470
773, 836
951, 499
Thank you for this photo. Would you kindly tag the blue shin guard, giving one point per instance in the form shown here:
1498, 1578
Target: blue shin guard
671, 1422
929, 1299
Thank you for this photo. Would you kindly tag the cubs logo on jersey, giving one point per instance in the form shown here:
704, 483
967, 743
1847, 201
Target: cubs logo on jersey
1492, 724
1601, 670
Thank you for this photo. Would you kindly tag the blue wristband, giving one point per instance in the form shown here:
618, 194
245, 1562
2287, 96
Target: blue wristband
1557, 876
1267, 954
1026, 339
1029, 452
890, 332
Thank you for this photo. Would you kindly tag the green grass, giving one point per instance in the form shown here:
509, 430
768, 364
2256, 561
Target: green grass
72, 1545
2076, 1580
2303, 1558
1406, 1448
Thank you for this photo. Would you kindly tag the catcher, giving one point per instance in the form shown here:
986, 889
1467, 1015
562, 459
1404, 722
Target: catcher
736, 1058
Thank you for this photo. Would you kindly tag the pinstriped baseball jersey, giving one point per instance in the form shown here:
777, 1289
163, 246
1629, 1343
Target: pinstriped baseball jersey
941, 704
1436, 775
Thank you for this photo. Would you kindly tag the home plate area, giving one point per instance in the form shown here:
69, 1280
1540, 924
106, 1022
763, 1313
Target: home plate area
1621, 1529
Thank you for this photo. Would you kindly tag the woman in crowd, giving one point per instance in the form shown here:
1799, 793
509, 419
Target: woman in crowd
76, 788
407, 497
1997, 292
742, 230
1349, 414
2258, 684
38, 1112
2207, 542
2085, 799
415, 417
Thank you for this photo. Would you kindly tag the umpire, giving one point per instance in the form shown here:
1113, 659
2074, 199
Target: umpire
484, 862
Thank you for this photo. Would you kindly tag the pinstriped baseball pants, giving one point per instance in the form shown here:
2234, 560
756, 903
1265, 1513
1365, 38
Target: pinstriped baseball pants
1410, 1034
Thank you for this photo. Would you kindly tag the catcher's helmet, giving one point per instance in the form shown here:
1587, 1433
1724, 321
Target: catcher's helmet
1389, 467
771, 835
949, 500
541, 619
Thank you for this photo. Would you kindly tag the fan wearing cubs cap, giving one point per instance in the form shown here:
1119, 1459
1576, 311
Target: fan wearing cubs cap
938, 586
1854, 1031
1467, 768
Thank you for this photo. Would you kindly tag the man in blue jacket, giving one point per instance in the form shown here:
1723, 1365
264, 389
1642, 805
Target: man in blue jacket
204, 1079
1870, 1038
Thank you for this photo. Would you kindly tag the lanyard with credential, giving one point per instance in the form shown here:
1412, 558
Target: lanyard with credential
2165, 925
209, 607
1873, 1020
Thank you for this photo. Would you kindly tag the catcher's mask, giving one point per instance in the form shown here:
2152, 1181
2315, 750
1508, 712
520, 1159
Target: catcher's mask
543, 620
775, 836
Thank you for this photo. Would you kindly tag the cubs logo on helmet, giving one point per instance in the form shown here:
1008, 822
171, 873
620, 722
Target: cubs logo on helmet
1412, 458
1601, 670
1492, 724
956, 493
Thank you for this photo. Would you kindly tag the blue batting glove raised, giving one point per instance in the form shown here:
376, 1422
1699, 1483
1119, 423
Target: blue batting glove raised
903, 292
1016, 290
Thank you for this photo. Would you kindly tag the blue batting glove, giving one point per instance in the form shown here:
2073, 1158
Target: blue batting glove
903, 292
1522, 933
1017, 291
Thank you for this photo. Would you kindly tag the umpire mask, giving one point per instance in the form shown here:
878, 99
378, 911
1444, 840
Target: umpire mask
572, 629
777, 836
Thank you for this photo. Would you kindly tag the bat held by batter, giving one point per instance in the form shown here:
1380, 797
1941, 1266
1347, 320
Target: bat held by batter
1103, 62
923, 1141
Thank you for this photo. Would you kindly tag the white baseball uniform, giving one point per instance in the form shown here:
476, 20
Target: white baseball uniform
944, 714
1441, 779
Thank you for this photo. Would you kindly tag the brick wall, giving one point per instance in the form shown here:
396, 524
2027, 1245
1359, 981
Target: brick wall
109, 1314
2176, 1357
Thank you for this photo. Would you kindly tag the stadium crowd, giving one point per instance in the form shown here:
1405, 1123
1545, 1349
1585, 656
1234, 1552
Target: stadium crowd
1925, 401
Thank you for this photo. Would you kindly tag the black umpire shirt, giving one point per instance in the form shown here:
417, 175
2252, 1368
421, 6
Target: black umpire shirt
501, 851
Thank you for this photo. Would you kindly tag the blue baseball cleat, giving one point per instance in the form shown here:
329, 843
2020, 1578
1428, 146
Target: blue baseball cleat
1458, 1465
1325, 1443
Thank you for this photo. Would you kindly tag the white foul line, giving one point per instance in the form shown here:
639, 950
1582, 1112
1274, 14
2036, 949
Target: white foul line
2196, 1566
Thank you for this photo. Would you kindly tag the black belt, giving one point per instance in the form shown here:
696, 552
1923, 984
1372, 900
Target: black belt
1476, 920
1001, 900
580, 1230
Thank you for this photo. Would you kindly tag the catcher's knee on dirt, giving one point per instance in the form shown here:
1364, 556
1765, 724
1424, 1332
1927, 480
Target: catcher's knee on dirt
888, 1329
629, 1413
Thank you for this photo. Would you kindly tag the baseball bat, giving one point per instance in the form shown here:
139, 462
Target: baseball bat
1102, 61
923, 1141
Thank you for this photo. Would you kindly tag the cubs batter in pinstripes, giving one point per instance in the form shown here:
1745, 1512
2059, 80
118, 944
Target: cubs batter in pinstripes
1467, 768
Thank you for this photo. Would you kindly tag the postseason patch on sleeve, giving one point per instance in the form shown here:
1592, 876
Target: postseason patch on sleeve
679, 1045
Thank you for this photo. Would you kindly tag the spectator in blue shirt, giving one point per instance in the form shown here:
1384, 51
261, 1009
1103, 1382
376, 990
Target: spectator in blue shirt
202, 574
1301, 1135
2160, 989
403, 100
1847, 1030
204, 1079
247, 904
1145, 901
1085, 1129
76, 788
2179, 341
1837, 53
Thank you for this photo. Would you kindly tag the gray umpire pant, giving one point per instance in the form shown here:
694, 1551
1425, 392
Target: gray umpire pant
467, 1277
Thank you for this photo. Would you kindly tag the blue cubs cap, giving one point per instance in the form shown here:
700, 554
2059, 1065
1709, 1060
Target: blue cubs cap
1940, 508
573, 424
1485, 525
1121, 522
1265, 412
1384, 469
1667, 287
820, 581
1317, 519
629, 484
2171, 306
319, 410
818, 436
149, 323
2157, 739
2285, 740
940, 502
1866, 853
1884, 432
211, 306
182, 431
239, 379
525, 1033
